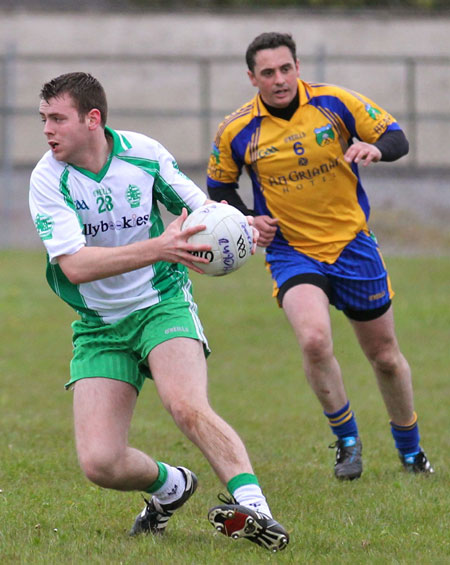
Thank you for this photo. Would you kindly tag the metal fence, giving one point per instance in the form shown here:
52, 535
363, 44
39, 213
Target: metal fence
181, 99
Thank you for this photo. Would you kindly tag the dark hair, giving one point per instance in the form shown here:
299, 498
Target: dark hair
270, 40
85, 90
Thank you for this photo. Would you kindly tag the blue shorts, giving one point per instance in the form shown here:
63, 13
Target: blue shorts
356, 283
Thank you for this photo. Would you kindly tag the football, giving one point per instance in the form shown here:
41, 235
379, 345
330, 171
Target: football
227, 232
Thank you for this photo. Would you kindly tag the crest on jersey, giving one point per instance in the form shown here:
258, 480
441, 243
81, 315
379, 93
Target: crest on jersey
133, 195
44, 225
215, 152
373, 112
324, 135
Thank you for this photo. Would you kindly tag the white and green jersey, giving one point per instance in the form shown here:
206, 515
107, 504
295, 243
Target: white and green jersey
72, 207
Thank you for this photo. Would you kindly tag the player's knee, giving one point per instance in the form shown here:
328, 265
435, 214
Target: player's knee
317, 346
99, 468
186, 415
387, 360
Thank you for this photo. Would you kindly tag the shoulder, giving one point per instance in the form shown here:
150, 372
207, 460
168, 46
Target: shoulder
47, 171
134, 139
139, 145
236, 125
240, 118
333, 91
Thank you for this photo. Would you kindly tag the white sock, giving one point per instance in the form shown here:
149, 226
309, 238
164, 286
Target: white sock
252, 497
174, 486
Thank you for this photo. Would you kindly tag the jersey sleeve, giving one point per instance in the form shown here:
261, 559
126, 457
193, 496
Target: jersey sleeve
54, 214
224, 168
173, 188
365, 119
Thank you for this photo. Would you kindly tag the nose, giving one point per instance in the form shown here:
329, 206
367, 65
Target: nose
47, 127
279, 77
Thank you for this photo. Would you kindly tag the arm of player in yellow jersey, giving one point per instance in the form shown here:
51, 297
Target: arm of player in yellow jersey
362, 152
267, 227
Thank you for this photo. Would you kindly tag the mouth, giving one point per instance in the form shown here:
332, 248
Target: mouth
53, 145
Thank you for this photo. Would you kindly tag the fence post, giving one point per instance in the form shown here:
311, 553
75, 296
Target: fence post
411, 108
321, 59
7, 140
205, 108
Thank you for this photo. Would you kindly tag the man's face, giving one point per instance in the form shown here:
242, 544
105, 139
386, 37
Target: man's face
275, 75
67, 134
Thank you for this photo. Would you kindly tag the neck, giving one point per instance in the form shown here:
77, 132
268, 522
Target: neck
287, 112
96, 154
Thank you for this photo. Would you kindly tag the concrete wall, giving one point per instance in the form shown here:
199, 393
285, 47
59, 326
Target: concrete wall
196, 33
160, 88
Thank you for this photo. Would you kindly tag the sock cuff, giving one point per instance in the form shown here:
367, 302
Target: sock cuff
409, 426
331, 415
162, 478
341, 416
241, 480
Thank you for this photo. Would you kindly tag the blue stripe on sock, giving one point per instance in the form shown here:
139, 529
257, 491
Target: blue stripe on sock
406, 441
345, 429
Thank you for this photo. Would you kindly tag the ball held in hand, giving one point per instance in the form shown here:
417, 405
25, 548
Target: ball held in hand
227, 232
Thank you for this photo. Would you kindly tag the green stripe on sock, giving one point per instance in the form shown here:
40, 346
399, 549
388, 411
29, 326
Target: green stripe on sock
162, 478
240, 481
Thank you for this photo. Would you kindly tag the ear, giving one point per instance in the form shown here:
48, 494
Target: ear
93, 119
252, 78
297, 66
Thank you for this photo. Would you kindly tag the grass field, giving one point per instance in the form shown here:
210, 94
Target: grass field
49, 514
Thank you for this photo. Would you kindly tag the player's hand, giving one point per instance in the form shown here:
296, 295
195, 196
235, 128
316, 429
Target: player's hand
175, 248
267, 228
251, 221
255, 231
362, 151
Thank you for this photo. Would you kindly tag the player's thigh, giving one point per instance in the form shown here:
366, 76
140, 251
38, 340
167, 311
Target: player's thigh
102, 409
378, 335
179, 370
307, 309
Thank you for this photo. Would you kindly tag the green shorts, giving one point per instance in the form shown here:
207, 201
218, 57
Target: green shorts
120, 350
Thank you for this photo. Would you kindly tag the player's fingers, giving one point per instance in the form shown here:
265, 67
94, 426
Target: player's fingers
193, 230
193, 267
255, 239
197, 248
348, 155
265, 240
182, 216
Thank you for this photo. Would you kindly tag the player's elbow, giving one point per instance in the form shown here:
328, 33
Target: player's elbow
73, 276
71, 269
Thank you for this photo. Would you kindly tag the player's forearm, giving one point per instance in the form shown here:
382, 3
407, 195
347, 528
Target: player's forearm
94, 263
393, 145
231, 196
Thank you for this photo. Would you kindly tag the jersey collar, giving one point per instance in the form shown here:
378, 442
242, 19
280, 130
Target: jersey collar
304, 96
120, 144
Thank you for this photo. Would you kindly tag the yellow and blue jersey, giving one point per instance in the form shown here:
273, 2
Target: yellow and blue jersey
297, 167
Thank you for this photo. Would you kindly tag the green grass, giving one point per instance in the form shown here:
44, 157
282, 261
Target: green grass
49, 514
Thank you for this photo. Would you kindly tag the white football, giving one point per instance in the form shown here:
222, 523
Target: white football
227, 232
